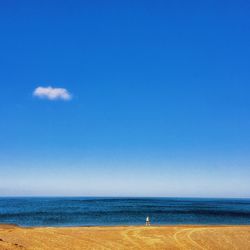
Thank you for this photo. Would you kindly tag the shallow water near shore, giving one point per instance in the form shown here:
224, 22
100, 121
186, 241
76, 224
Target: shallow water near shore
94, 211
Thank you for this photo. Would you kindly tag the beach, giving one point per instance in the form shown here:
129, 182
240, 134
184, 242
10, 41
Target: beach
125, 237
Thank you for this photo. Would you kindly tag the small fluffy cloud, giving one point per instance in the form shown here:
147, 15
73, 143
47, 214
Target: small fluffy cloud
52, 93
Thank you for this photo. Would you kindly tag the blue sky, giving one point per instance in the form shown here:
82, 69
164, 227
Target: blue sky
158, 98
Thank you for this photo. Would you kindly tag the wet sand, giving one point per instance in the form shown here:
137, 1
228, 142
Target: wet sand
131, 237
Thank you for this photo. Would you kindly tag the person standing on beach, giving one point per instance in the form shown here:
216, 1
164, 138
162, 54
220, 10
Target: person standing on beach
147, 221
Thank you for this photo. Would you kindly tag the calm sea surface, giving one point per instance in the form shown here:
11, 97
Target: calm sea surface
122, 211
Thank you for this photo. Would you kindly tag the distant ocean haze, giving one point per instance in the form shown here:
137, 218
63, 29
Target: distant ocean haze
86, 211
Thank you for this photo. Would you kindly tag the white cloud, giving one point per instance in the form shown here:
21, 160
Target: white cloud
52, 93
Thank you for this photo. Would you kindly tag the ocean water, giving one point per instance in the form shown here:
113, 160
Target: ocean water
83, 211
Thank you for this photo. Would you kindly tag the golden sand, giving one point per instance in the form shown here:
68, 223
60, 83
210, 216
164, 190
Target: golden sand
132, 237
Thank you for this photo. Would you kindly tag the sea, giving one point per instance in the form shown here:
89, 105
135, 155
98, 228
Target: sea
99, 211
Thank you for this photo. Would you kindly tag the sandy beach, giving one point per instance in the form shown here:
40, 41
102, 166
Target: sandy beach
131, 237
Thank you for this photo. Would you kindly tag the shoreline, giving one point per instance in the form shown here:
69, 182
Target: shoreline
115, 226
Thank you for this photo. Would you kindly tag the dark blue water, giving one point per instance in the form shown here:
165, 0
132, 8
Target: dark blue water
122, 211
